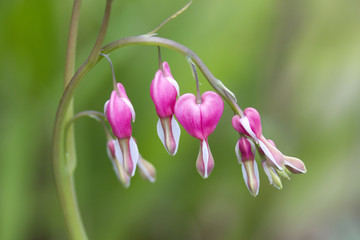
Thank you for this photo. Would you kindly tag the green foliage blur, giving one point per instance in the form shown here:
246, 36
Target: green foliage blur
297, 62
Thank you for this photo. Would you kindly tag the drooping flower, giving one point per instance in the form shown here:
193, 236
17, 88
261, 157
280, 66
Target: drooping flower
147, 170
250, 125
118, 167
119, 112
164, 90
245, 152
200, 120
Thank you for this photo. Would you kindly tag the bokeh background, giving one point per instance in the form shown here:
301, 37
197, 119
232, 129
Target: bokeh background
297, 62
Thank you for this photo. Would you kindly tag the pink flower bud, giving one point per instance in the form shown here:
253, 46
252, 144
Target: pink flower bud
244, 150
120, 112
118, 168
200, 120
249, 125
164, 90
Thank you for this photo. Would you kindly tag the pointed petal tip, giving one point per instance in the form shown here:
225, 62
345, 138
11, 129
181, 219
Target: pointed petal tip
294, 165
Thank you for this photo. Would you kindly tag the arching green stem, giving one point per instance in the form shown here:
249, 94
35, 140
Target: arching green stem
64, 162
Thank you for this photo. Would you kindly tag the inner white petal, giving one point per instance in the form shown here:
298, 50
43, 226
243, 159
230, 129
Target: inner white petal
160, 132
175, 84
205, 152
128, 103
237, 152
268, 154
176, 132
134, 153
267, 172
246, 124
256, 170
245, 176
118, 152
105, 107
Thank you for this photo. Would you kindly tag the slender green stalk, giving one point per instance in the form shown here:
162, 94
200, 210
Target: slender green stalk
153, 32
67, 193
98, 116
64, 162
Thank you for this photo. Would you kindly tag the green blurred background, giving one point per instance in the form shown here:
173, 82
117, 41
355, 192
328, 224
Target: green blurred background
297, 62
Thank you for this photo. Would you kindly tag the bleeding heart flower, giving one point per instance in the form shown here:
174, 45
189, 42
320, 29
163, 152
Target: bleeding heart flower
119, 112
245, 152
118, 167
250, 125
200, 120
147, 170
164, 90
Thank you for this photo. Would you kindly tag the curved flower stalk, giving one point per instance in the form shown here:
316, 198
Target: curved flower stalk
200, 120
164, 90
120, 112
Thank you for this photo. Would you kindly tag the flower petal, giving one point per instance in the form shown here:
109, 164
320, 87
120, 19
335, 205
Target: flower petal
294, 165
147, 170
175, 132
274, 155
246, 124
205, 160
128, 103
175, 84
205, 154
250, 173
118, 152
160, 132
105, 106
134, 152
237, 152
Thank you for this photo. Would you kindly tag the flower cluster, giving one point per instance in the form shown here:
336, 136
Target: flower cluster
273, 161
199, 116
123, 151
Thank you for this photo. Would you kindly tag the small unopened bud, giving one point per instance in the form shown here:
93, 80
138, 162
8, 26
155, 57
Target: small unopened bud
271, 173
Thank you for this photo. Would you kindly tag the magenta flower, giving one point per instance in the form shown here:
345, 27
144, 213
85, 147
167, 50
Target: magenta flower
119, 112
245, 152
200, 120
164, 90
250, 125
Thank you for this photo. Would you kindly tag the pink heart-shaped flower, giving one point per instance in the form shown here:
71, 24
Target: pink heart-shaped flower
199, 120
